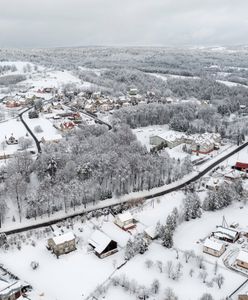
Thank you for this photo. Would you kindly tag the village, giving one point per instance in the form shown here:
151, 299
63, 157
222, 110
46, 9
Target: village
211, 252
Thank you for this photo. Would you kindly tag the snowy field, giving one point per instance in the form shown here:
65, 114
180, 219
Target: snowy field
49, 131
81, 271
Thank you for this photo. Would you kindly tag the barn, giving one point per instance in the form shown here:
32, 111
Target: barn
213, 247
102, 245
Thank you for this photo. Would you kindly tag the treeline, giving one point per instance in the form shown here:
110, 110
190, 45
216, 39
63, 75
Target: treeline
11, 79
89, 165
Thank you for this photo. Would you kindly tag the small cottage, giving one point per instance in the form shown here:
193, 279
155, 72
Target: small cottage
213, 247
226, 234
102, 244
242, 259
10, 290
62, 244
125, 221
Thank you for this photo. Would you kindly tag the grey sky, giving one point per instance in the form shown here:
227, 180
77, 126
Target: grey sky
46, 23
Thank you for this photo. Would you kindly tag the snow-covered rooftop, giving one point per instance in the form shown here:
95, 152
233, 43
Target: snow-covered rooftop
151, 231
225, 232
125, 217
212, 244
7, 287
243, 256
99, 241
60, 239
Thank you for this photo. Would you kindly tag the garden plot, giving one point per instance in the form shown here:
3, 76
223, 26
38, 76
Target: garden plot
186, 286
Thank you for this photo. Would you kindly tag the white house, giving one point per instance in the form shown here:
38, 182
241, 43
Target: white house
213, 247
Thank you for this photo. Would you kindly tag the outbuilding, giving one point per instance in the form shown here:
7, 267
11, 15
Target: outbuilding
213, 247
102, 244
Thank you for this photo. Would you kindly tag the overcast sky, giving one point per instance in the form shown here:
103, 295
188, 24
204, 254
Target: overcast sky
48, 23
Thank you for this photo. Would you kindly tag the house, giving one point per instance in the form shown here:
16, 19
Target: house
213, 247
62, 244
204, 143
13, 103
11, 140
133, 92
125, 221
10, 290
242, 259
226, 234
102, 245
67, 126
214, 183
151, 233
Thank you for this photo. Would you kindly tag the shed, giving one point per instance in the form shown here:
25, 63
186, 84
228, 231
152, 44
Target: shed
213, 247
62, 244
102, 244
125, 221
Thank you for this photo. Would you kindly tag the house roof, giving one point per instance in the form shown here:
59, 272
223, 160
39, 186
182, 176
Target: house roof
6, 287
125, 217
225, 232
241, 165
242, 256
99, 241
212, 244
60, 239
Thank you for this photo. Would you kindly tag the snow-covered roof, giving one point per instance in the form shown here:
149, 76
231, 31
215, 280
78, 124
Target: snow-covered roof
125, 217
242, 256
212, 244
99, 241
60, 239
6, 287
225, 232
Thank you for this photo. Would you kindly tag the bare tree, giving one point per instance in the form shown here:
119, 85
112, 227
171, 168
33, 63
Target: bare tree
169, 268
219, 279
188, 254
203, 275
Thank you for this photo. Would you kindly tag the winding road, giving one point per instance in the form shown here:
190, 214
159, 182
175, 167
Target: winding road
165, 191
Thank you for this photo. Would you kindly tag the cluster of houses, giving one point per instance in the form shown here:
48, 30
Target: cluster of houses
226, 175
217, 243
96, 102
100, 243
199, 143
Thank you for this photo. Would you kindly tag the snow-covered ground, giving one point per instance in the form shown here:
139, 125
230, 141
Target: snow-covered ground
80, 272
